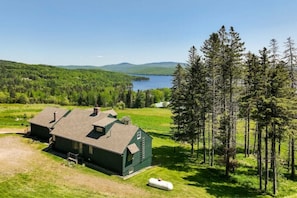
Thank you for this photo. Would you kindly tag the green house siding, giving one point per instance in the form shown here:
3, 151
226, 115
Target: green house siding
100, 157
40, 132
120, 164
141, 159
64, 145
108, 160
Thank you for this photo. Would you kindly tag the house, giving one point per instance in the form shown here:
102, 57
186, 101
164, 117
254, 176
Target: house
44, 122
100, 138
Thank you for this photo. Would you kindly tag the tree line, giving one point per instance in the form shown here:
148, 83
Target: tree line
226, 85
25, 83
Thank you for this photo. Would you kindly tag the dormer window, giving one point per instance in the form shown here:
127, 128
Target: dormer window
99, 129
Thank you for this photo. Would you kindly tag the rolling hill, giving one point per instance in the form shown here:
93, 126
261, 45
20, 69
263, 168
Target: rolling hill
160, 68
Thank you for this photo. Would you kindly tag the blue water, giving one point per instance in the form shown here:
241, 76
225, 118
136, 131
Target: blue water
154, 82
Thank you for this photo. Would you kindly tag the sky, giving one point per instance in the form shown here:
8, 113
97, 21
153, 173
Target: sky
101, 32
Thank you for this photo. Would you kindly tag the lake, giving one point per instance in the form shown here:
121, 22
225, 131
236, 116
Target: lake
154, 82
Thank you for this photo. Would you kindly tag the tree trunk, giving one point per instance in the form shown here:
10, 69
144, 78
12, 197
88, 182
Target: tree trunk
245, 137
260, 157
273, 149
208, 143
293, 157
289, 153
192, 147
266, 160
203, 134
228, 151
213, 121
255, 138
248, 134
279, 144
198, 140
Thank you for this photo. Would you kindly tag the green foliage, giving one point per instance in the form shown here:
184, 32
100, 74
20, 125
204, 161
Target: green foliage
24, 83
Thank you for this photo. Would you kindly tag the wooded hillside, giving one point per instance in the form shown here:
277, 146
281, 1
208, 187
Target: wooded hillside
161, 68
25, 83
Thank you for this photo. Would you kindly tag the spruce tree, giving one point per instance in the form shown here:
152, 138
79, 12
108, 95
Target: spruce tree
247, 100
211, 51
195, 86
231, 52
177, 103
278, 93
290, 58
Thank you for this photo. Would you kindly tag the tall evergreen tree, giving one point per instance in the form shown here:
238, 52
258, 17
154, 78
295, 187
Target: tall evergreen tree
290, 58
261, 112
195, 83
278, 96
273, 48
247, 100
231, 52
177, 103
211, 52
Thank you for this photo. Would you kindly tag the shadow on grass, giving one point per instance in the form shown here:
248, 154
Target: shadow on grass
159, 135
174, 158
170, 157
213, 180
289, 177
216, 183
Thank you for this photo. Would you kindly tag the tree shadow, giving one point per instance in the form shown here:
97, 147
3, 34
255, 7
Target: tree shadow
170, 157
216, 183
159, 135
212, 179
174, 158
289, 177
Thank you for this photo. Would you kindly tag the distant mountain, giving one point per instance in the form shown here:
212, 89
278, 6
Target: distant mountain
160, 68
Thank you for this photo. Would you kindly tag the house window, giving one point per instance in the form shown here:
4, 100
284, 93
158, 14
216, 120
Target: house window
130, 157
99, 129
90, 150
75, 145
138, 135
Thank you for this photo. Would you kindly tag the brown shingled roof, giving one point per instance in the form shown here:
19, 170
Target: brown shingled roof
111, 112
79, 124
133, 148
46, 117
104, 122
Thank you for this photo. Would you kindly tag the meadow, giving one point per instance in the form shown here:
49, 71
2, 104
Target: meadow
46, 175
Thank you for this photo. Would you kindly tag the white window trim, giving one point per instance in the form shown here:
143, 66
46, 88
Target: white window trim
91, 150
138, 135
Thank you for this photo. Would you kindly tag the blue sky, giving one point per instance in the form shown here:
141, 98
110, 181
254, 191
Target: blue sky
100, 32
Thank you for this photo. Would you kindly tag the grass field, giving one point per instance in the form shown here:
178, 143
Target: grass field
46, 175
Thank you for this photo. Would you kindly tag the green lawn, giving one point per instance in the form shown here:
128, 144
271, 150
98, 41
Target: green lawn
171, 161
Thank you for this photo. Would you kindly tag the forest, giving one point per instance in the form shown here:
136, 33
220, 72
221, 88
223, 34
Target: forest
29, 84
224, 85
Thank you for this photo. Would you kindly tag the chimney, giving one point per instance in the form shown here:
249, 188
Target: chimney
96, 110
55, 116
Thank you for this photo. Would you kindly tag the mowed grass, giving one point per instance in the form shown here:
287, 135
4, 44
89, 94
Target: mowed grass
171, 161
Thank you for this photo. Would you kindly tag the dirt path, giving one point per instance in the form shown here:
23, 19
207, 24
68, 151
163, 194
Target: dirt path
14, 156
12, 130
19, 155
